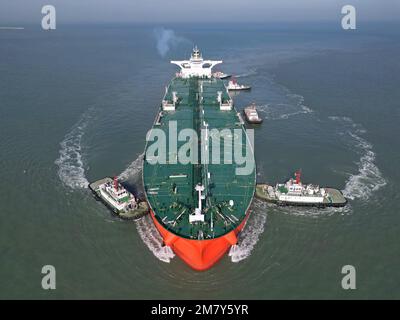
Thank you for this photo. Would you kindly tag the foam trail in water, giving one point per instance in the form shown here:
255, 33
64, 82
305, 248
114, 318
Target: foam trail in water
312, 212
145, 226
283, 111
70, 164
250, 235
368, 178
275, 112
151, 237
134, 169
251, 72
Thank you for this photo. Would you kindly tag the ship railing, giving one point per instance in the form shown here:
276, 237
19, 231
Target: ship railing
240, 118
158, 121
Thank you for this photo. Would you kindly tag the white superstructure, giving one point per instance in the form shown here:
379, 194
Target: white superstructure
196, 66
198, 212
233, 85
117, 196
221, 75
296, 192
252, 114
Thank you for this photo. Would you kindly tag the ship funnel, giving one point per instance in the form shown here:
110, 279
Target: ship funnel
298, 175
115, 183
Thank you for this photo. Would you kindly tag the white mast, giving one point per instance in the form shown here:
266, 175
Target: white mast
198, 214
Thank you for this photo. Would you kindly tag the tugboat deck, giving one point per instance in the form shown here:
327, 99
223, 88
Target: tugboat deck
94, 185
335, 197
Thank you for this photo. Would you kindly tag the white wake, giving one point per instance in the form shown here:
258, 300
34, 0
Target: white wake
145, 226
283, 111
251, 233
249, 73
151, 237
70, 164
134, 169
369, 178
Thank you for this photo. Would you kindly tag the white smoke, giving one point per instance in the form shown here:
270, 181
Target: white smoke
166, 39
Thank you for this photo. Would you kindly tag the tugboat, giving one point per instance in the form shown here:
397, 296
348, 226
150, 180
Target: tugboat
118, 199
251, 114
233, 85
295, 193
221, 75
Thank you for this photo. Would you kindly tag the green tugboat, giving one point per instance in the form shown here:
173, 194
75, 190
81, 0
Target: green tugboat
119, 200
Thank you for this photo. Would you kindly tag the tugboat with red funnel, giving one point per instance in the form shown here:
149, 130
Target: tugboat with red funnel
233, 85
295, 193
119, 200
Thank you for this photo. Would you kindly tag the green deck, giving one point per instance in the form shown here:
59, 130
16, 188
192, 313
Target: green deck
172, 209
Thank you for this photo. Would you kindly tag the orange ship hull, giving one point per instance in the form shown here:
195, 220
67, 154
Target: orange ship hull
199, 254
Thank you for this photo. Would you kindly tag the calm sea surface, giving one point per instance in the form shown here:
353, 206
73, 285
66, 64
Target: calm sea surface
75, 106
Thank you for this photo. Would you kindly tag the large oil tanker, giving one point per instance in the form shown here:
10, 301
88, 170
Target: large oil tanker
200, 207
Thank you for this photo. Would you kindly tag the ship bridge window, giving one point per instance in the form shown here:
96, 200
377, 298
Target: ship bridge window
206, 65
185, 65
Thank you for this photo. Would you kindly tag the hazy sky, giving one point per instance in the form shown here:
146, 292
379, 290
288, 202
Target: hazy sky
158, 11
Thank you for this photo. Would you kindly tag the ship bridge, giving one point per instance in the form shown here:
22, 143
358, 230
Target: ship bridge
196, 66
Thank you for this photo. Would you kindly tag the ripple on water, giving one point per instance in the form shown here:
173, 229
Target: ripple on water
71, 167
250, 235
368, 179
